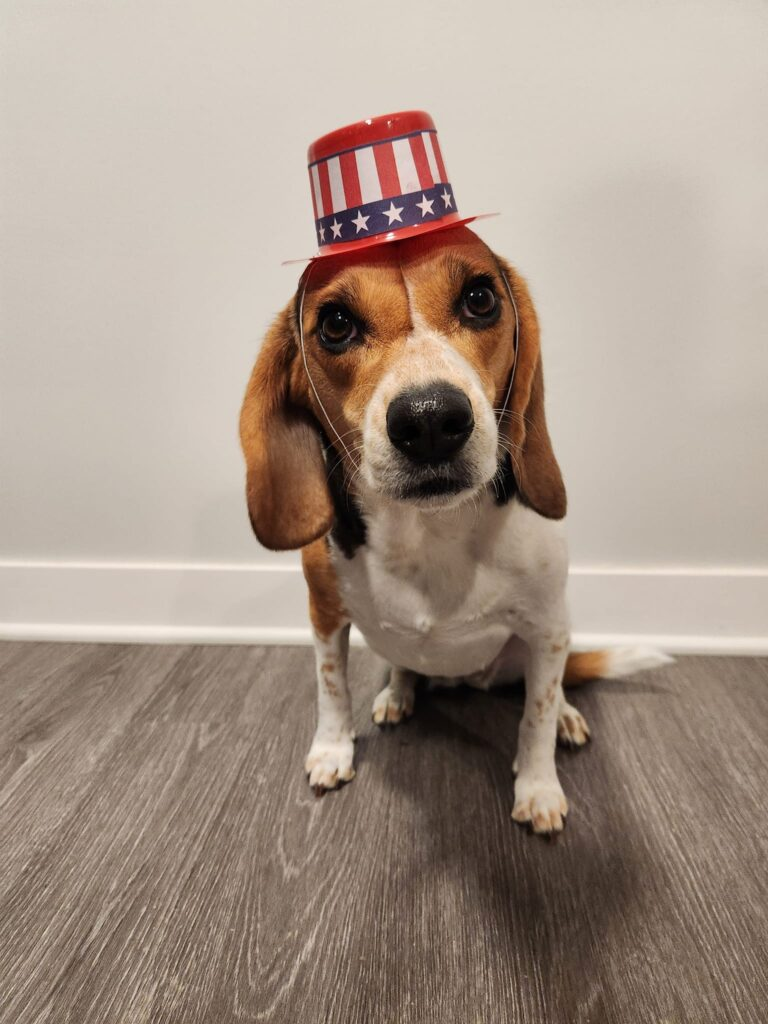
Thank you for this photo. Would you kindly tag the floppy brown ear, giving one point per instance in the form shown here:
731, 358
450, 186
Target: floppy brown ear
288, 499
537, 474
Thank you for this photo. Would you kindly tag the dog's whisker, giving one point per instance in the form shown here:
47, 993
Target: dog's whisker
352, 430
351, 452
510, 445
513, 414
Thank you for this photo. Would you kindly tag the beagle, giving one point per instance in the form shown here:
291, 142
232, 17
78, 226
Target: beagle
393, 429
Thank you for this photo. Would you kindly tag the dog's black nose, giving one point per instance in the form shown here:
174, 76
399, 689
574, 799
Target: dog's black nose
431, 423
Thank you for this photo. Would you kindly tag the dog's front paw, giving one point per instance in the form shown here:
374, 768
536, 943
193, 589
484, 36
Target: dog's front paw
392, 705
572, 728
542, 805
330, 762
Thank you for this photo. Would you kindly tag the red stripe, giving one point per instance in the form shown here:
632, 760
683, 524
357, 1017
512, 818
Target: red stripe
420, 159
312, 192
439, 158
351, 181
384, 156
325, 188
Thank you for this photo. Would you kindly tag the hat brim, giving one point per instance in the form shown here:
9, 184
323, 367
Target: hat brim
342, 248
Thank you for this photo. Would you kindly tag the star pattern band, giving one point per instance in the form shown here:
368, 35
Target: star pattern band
383, 215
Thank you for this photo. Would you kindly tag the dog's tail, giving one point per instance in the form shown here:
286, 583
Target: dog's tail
611, 664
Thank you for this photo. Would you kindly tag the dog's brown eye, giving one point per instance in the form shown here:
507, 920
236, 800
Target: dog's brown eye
337, 328
478, 302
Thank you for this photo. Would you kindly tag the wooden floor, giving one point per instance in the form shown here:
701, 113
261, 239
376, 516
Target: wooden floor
163, 860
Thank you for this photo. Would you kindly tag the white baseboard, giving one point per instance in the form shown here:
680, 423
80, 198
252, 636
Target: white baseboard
715, 611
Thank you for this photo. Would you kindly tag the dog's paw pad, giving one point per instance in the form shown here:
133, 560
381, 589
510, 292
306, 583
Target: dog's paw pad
392, 706
542, 805
329, 763
572, 728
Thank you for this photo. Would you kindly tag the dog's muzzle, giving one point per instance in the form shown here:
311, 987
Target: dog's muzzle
430, 424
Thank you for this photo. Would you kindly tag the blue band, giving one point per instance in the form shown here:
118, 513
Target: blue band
386, 215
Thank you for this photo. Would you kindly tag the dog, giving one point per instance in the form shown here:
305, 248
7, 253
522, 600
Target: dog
393, 429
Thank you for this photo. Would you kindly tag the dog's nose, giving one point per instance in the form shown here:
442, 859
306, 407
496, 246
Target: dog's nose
431, 423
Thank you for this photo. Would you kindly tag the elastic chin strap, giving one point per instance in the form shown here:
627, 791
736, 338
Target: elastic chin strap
303, 289
303, 286
516, 340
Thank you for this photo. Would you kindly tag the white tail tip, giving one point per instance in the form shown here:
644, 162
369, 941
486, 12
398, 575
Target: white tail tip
625, 661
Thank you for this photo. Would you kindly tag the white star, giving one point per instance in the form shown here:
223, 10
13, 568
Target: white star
446, 197
336, 228
322, 233
425, 205
361, 222
394, 213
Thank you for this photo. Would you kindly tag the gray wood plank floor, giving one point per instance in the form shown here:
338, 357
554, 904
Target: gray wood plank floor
163, 860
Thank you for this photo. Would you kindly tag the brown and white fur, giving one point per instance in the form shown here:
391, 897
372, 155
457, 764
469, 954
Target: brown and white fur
453, 569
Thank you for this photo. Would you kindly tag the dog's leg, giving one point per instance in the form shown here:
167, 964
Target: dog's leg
396, 700
330, 760
539, 798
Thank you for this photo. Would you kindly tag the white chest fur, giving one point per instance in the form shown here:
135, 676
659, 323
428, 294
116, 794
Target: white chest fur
441, 593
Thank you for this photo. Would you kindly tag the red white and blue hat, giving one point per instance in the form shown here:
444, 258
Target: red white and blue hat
380, 180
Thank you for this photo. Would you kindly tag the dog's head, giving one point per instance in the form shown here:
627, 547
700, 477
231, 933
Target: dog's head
409, 349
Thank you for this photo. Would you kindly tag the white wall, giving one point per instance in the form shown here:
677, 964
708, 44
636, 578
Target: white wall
153, 178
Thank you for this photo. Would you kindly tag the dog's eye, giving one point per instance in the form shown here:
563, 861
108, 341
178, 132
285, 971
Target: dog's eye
478, 301
337, 328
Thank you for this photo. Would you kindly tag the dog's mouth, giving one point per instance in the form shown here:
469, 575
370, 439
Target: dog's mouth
431, 485
434, 489
434, 483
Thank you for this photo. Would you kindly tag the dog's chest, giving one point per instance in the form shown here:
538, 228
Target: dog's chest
442, 596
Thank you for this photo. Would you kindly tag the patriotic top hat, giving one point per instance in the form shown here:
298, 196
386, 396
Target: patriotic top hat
380, 180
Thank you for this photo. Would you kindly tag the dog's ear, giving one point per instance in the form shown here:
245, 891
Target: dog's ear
288, 499
524, 427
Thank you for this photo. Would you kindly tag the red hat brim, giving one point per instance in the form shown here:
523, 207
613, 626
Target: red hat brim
453, 220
